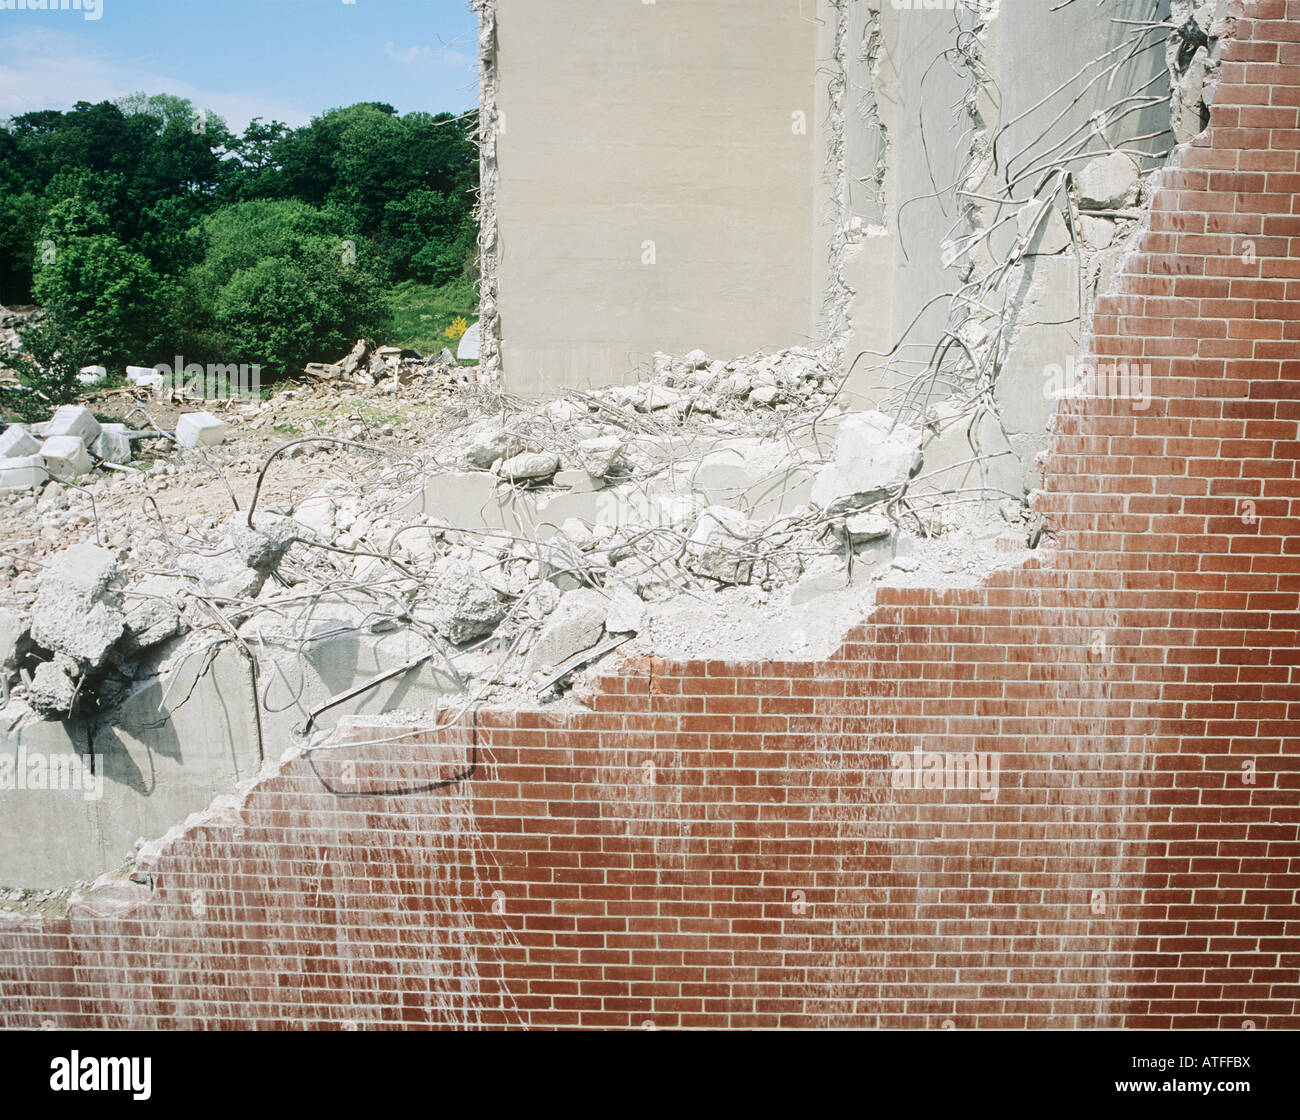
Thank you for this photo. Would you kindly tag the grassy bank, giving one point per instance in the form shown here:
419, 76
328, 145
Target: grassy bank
422, 313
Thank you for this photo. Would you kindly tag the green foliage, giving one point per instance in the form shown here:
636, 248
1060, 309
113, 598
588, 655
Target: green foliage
147, 219
427, 237
422, 313
53, 354
96, 288
20, 222
279, 285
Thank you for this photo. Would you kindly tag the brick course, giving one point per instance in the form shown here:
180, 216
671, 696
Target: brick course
720, 845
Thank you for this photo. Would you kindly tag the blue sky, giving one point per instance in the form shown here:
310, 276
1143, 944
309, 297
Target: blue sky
282, 59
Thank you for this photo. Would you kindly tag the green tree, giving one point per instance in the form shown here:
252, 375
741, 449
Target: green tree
280, 285
52, 356
427, 236
96, 289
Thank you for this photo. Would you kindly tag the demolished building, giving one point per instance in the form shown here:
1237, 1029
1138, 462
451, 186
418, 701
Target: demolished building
772, 474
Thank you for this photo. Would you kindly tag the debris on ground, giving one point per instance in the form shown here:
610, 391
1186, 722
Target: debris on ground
516, 541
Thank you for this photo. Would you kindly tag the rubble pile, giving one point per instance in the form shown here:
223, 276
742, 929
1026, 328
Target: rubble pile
73, 442
507, 543
367, 366
83, 627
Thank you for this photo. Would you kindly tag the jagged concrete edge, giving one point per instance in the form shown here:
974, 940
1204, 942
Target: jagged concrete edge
488, 242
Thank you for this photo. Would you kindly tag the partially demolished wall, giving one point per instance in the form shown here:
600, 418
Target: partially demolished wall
807, 842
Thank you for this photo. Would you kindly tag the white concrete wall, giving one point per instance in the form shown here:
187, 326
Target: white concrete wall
934, 119
669, 122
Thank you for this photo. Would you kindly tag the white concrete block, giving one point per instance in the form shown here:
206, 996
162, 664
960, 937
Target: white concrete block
146, 377
1108, 183
470, 342
16, 441
73, 420
91, 375
113, 444
65, 457
200, 429
873, 458
25, 472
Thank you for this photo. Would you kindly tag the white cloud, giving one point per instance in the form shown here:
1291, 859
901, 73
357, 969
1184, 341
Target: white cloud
50, 69
411, 56
421, 56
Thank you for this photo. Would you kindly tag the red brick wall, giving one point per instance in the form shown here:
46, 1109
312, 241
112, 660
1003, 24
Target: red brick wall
721, 845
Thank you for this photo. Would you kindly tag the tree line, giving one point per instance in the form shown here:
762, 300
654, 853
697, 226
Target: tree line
145, 228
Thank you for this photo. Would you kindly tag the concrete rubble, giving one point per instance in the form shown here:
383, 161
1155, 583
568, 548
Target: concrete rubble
1108, 183
365, 365
516, 538
1192, 56
70, 445
77, 618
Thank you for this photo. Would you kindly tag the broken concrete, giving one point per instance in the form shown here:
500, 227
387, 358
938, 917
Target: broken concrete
16, 442
25, 473
78, 606
529, 467
575, 625
461, 606
491, 446
600, 456
200, 429
873, 459
65, 458
73, 420
54, 688
113, 444
15, 630
1108, 183
720, 545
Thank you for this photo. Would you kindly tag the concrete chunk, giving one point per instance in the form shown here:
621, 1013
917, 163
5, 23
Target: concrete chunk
575, 625
53, 689
200, 429
223, 577
84, 569
151, 615
1108, 183
720, 545
626, 611
113, 445
865, 527
76, 612
461, 605
145, 377
600, 456
492, 445
317, 513
530, 466
16, 442
263, 546
65, 457
25, 473
872, 459
15, 626
73, 420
